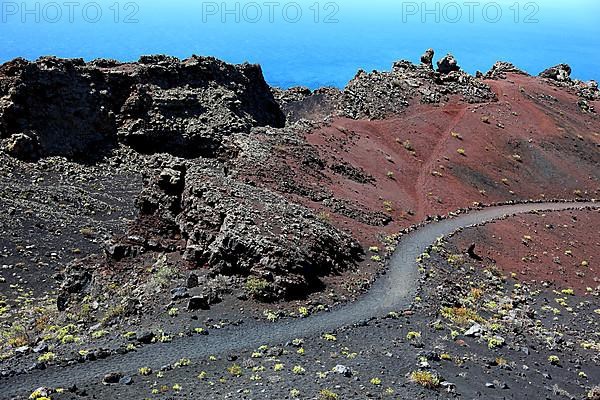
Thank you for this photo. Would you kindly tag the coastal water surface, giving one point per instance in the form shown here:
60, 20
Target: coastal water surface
310, 42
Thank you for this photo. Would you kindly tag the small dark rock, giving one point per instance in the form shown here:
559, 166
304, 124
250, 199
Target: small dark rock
146, 337
198, 303
192, 281
274, 352
41, 347
62, 301
179, 293
111, 378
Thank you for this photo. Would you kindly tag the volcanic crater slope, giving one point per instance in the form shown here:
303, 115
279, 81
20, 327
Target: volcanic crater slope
257, 193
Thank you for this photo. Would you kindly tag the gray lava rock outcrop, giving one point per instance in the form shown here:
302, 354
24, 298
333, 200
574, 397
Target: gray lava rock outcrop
447, 64
160, 104
560, 73
427, 58
379, 94
232, 228
501, 68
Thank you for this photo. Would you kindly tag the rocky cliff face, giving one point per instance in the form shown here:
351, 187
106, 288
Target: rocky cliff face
81, 110
233, 228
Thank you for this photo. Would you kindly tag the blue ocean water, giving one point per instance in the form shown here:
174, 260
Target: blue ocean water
311, 42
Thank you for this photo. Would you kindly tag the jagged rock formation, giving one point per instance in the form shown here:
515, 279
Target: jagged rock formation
379, 94
501, 68
80, 110
448, 64
427, 58
560, 73
236, 229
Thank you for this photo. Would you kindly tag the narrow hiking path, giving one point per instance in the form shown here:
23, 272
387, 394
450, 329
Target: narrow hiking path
393, 291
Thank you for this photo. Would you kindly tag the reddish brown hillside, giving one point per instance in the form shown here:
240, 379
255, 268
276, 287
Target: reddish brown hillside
559, 247
534, 143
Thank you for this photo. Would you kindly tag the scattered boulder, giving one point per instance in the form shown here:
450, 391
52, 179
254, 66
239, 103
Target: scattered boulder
198, 303
343, 370
559, 73
112, 378
594, 394
472, 254
447, 64
23, 146
192, 281
22, 350
41, 347
475, 330
585, 106
146, 337
588, 91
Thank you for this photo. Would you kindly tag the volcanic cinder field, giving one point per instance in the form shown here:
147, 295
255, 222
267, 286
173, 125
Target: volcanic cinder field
176, 229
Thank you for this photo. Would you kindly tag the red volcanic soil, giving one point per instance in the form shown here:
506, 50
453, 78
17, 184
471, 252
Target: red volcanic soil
558, 247
534, 143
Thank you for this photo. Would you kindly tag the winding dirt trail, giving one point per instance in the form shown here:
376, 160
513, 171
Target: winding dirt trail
393, 291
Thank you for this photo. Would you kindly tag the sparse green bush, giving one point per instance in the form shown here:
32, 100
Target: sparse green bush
460, 315
47, 357
163, 274
327, 394
298, 370
329, 337
256, 286
112, 313
494, 342
235, 370
425, 378
303, 311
